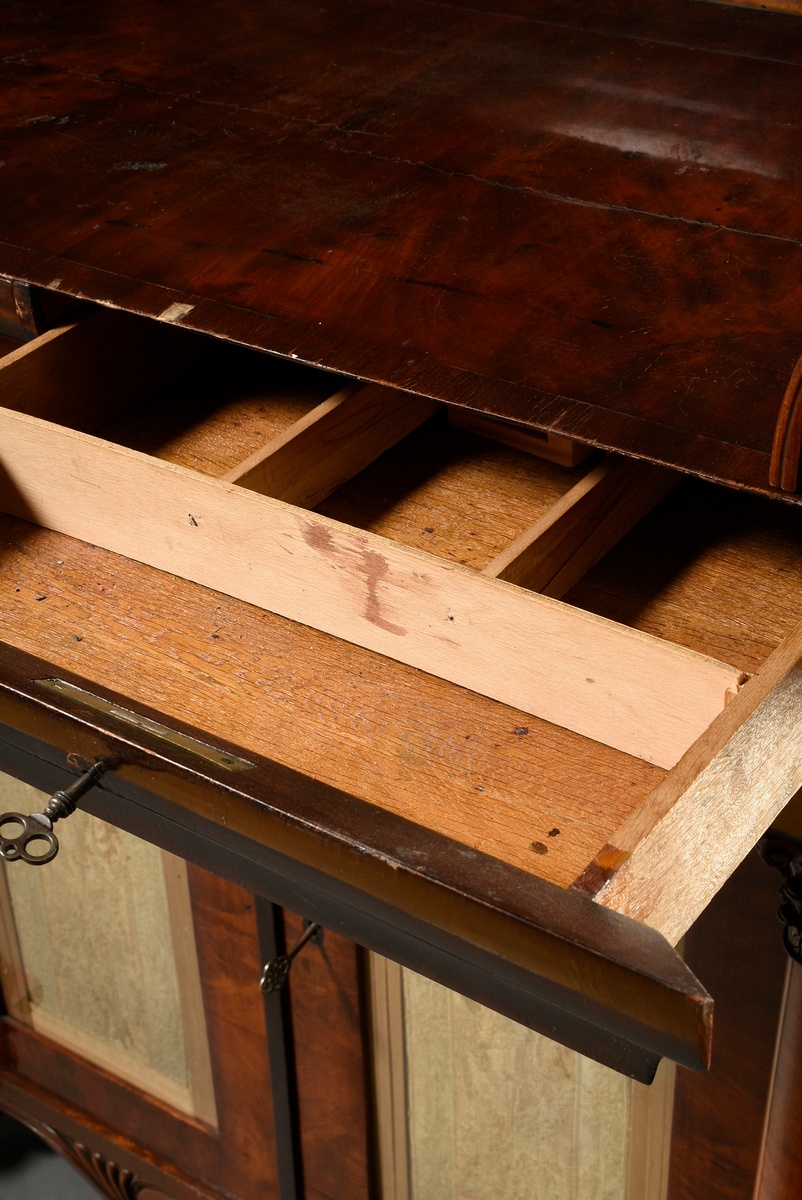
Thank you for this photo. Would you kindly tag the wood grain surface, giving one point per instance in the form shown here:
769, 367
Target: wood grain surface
451, 493
723, 793
503, 210
779, 1174
574, 534
709, 569
212, 418
82, 375
331, 444
497, 1110
486, 775
238, 1157
600, 679
83, 963
329, 1022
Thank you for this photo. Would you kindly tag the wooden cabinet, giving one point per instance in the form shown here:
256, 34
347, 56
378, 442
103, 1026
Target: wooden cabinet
429, 823
138, 1044
316, 538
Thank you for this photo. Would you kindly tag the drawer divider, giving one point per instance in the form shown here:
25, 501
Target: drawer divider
332, 443
608, 682
86, 374
576, 532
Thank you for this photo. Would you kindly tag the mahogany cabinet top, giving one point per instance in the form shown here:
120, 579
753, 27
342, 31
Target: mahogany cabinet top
580, 215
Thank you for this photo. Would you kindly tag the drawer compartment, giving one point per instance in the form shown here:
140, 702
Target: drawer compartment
630, 768
250, 535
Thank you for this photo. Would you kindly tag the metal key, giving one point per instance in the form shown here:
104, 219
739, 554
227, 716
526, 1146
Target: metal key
19, 833
275, 972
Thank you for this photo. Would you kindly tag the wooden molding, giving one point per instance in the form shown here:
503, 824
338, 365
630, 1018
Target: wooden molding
567, 452
787, 444
389, 1076
110, 1179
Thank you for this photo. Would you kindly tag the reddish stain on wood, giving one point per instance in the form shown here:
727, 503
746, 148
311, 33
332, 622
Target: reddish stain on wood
376, 567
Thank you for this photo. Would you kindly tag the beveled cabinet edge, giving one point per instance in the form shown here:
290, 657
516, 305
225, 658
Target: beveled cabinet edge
673, 854
551, 959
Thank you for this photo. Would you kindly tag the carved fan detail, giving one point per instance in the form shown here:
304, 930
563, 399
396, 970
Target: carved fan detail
114, 1181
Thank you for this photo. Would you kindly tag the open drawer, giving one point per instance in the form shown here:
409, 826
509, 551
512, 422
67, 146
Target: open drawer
485, 713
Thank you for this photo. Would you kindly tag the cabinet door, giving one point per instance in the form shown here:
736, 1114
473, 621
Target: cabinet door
136, 1039
471, 1105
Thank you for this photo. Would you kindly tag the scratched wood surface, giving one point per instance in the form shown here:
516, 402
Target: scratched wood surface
598, 678
578, 216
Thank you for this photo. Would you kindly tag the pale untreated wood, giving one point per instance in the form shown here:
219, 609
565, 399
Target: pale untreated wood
706, 814
13, 984
330, 444
496, 1110
453, 1105
190, 990
100, 971
389, 1077
83, 374
112, 1059
451, 493
601, 680
488, 776
578, 531
712, 569
210, 419
565, 451
651, 1119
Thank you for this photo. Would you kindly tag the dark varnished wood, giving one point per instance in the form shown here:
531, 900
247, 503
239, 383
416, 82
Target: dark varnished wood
281, 1051
551, 959
788, 436
27, 311
239, 1157
718, 1118
110, 1179
780, 1172
576, 216
70, 1130
332, 1065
